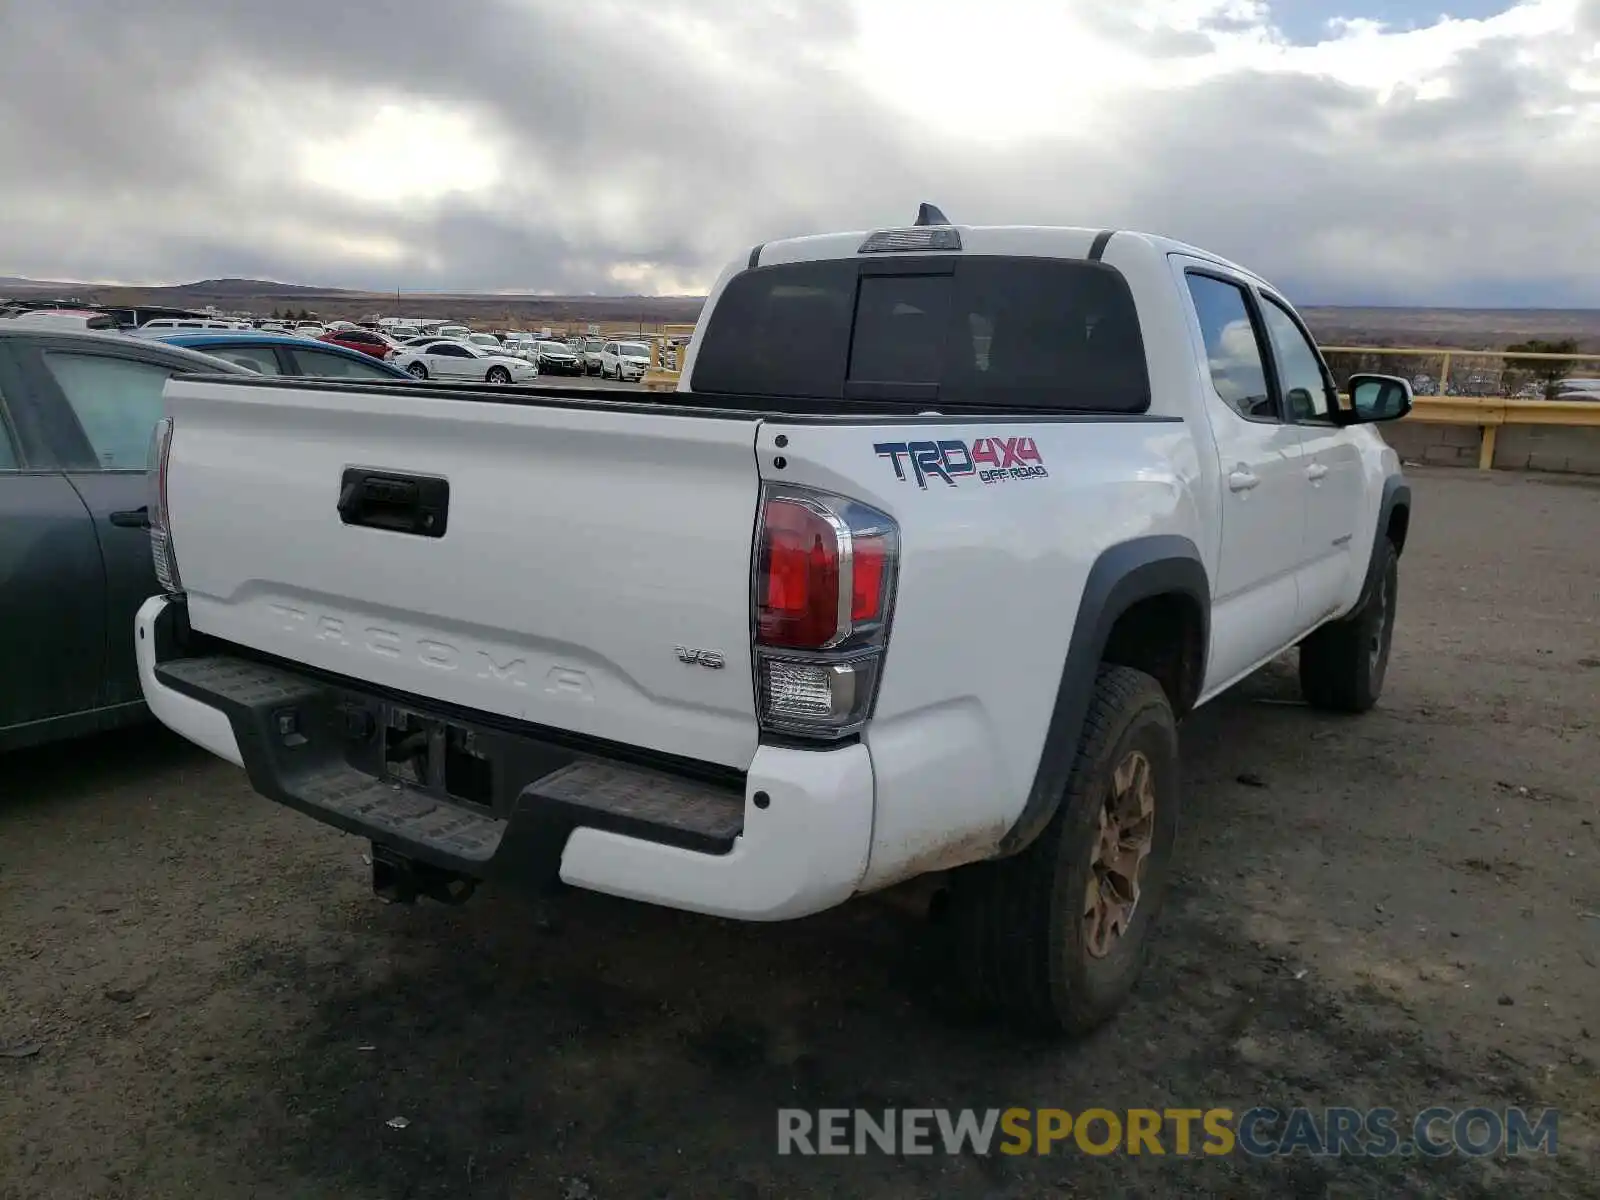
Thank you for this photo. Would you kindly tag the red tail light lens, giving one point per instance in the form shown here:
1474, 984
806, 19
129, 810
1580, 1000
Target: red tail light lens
869, 559
797, 601
824, 582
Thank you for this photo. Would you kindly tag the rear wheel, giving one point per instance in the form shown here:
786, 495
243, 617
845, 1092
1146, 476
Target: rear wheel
499, 375
417, 371
1343, 664
1054, 938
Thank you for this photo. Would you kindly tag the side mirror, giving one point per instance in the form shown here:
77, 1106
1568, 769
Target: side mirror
1378, 398
1301, 406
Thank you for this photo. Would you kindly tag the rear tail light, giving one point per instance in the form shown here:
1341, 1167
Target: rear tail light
162, 552
824, 577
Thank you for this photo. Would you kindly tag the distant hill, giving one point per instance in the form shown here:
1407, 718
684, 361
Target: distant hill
250, 288
1467, 328
13, 285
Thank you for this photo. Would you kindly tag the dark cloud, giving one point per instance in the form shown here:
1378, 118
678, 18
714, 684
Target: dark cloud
161, 142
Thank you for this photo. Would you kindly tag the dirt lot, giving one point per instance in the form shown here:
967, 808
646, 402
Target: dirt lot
1402, 910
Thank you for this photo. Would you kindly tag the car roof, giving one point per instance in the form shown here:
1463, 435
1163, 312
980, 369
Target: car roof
201, 338
133, 347
187, 337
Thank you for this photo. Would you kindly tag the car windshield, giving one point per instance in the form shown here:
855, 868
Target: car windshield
634, 350
593, 344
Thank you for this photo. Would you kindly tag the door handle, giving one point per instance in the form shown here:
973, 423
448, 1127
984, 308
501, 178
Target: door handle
414, 504
1315, 472
132, 518
1242, 480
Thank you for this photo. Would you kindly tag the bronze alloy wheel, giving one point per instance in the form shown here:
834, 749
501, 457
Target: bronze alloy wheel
1127, 832
1054, 937
1382, 632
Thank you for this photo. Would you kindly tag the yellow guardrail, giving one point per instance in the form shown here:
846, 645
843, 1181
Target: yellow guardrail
662, 376
1488, 412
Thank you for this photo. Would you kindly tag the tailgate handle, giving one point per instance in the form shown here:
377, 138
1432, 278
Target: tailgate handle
415, 504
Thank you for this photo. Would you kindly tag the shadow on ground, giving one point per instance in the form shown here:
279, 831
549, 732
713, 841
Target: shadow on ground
645, 1053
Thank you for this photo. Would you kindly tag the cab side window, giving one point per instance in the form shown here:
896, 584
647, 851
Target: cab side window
1300, 374
1233, 347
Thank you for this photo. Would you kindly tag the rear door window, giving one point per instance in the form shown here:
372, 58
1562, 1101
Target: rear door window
8, 450
1233, 346
982, 331
117, 402
323, 365
258, 358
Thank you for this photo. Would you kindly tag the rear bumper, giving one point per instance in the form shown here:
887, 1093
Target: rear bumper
793, 839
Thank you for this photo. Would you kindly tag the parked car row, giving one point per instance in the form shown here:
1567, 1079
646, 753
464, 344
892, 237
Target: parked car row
517, 354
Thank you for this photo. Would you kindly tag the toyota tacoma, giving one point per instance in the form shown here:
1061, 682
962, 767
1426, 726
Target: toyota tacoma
943, 532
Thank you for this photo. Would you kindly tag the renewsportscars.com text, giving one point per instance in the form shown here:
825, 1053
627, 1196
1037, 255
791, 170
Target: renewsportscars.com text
1258, 1132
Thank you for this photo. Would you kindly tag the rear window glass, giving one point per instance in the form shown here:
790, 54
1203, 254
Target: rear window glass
1017, 332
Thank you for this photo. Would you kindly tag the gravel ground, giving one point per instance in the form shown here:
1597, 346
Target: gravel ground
201, 998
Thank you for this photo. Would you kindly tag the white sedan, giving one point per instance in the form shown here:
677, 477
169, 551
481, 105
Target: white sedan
446, 358
626, 361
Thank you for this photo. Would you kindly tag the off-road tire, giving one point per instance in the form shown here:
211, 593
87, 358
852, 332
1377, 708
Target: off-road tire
1343, 664
1018, 922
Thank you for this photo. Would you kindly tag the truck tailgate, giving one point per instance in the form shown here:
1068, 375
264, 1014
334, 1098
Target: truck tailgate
593, 570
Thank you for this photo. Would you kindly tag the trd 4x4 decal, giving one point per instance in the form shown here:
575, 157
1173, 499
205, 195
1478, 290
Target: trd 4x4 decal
989, 459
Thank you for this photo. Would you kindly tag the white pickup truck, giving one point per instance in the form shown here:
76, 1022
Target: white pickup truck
944, 531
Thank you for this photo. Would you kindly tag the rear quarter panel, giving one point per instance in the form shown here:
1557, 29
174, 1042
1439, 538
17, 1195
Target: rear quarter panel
991, 576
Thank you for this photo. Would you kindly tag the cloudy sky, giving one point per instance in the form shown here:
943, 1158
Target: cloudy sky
1400, 151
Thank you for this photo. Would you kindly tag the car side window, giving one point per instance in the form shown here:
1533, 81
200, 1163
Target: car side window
1233, 349
117, 402
1300, 374
258, 358
448, 350
335, 366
